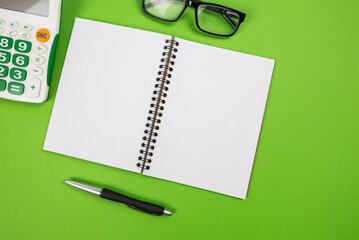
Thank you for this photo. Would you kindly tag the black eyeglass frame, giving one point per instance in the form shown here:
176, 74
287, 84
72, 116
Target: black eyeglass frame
196, 4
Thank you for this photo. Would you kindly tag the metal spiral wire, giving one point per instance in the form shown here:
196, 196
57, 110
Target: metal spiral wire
156, 107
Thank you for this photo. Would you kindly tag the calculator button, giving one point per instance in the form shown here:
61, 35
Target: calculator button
33, 87
15, 88
26, 35
18, 74
6, 43
12, 33
2, 22
36, 71
38, 60
42, 35
14, 25
23, 46
40, 49
5, 57
27, 27
4, 71
20, 60
1, 30
2, 85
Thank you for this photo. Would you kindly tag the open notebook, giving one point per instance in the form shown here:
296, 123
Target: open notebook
166, 107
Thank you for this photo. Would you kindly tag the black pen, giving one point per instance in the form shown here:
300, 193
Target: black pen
114, 196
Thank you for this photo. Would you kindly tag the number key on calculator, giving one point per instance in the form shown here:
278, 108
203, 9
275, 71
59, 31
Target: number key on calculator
28, 42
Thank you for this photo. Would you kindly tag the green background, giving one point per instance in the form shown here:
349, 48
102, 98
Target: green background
305, 177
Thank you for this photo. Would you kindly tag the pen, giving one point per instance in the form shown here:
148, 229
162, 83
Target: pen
114, 196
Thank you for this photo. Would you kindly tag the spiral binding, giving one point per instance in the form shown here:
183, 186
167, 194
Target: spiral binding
156, 107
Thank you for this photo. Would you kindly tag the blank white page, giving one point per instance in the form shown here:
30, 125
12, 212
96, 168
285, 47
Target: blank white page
104, 93
212, 118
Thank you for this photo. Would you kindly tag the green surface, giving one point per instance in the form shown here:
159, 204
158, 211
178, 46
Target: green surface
305, 177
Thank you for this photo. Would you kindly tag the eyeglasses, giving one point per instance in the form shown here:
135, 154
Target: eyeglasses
210, 18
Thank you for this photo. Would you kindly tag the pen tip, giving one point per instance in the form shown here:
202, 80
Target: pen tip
167, 213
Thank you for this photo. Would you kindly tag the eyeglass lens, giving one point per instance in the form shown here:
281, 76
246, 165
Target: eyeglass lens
217, 19
165, 9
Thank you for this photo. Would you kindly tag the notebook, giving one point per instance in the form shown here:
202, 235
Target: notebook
161, 106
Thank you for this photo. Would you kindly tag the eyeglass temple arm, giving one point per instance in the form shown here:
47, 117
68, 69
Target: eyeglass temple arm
212, 8
233, 25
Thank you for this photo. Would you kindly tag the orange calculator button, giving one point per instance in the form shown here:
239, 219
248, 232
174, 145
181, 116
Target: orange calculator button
42, 35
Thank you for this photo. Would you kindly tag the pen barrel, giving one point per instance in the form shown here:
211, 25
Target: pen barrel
131, 202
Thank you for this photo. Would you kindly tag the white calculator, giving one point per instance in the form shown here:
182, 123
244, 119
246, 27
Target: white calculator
28, 38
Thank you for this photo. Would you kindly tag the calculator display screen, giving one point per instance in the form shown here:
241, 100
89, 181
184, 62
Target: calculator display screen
36, 7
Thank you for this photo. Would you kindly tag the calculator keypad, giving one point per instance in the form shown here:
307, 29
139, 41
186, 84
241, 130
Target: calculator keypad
35, 85
16, 88
6, 42
4, 71
23, 46
24, 54
20, 60
36, 71
18, 74
38, 60
2, 85
40, 49
13, 33
27, 27
26, 35
14, 25
5, 57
